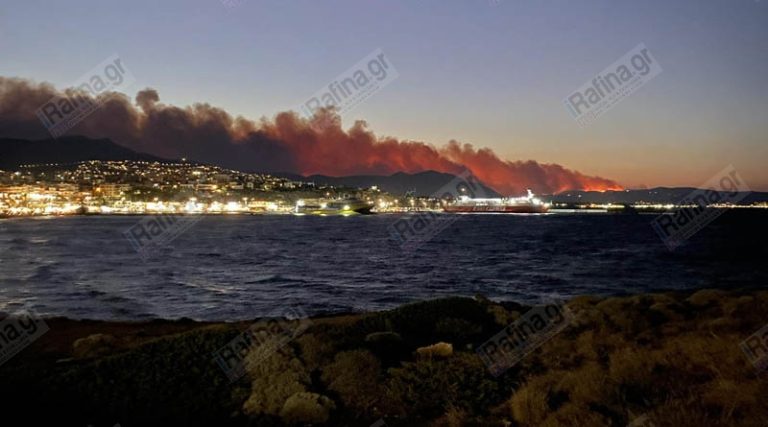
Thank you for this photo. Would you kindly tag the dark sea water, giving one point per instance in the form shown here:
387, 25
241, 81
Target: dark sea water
243, 267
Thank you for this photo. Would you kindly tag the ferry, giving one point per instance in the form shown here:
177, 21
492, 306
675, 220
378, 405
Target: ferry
525, 204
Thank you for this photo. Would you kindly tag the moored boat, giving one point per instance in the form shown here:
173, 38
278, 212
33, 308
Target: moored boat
333, 207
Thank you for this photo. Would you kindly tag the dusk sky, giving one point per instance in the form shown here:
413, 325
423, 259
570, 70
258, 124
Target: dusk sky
490, 73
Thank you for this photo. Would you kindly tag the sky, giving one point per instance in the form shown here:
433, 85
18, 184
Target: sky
493, 73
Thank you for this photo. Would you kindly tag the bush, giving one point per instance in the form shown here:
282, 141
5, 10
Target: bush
387, 346
170, 380
356, 377
692, 374
307, 408
457, 320
95, 345
530, 404
429, 387
274, 380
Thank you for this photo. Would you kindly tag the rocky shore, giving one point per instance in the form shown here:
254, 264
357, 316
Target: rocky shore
672, 359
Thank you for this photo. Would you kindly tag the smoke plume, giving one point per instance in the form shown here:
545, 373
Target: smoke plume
285, 143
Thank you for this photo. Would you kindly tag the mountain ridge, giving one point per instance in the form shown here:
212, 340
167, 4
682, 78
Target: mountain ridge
15, 152
425, 183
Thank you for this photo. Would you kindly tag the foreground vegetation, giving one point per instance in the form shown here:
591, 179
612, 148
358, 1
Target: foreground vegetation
657, 359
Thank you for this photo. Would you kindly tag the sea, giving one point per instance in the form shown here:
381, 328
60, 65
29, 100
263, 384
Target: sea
240, 267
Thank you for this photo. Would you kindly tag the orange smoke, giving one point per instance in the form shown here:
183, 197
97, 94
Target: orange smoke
321, 146
510, 177
286, 143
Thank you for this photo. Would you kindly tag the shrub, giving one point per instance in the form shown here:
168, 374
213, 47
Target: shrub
707, 297
95, 345
576, 416
170, 380
387, 346
425, 322
315, 350
355, 377
530, 404
307, 408
427, 387
274, 380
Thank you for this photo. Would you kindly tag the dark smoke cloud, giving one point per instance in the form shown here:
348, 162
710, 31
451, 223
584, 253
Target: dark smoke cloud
286, 143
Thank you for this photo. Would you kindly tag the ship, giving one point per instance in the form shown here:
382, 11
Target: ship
346, 206
525, 204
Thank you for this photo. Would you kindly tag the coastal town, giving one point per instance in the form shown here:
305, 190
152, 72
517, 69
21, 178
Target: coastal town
134, 187
141, 187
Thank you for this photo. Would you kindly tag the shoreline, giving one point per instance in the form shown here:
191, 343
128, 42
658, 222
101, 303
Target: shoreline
506, 303
677, 350
632, 210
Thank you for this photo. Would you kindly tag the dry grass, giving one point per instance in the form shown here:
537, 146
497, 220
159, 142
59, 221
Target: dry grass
673, 358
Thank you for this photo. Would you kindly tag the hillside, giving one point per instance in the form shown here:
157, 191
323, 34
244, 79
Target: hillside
70, 149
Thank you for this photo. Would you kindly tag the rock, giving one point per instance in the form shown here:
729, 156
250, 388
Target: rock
441, 349
94, 346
